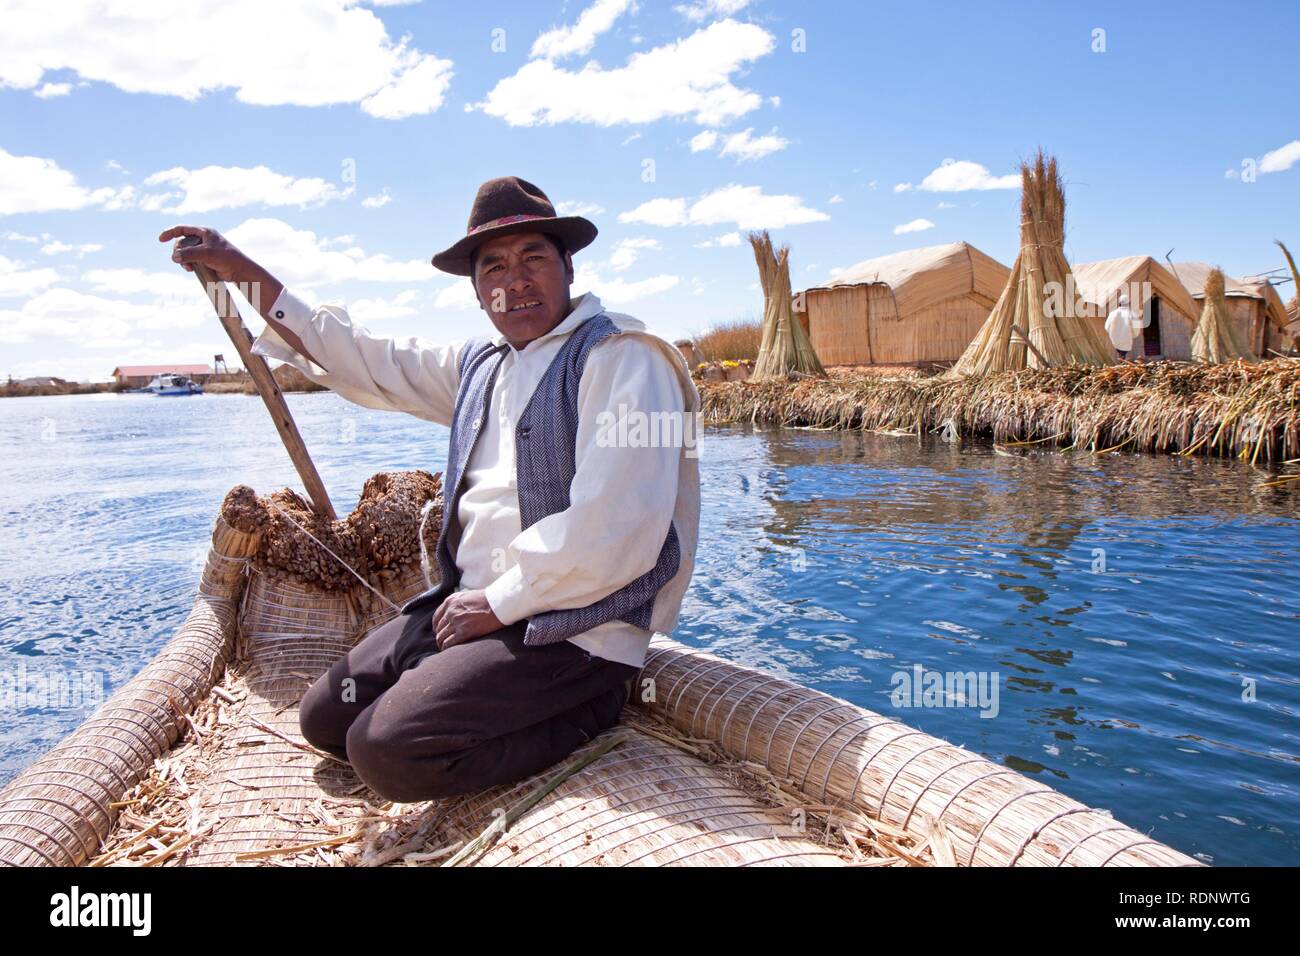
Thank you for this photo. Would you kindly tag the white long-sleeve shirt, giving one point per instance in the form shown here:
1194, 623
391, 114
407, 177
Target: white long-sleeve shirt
624, 492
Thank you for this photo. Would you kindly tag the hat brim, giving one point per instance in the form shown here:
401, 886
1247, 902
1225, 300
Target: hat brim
574, 232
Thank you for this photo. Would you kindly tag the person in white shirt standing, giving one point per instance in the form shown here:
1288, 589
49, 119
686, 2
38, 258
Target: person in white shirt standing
570, 516
1124, 326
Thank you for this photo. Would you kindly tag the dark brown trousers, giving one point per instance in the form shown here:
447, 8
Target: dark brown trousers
417, 723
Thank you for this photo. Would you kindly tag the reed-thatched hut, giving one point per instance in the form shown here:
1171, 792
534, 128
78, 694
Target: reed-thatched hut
912, 307
1256, 310
1153, 290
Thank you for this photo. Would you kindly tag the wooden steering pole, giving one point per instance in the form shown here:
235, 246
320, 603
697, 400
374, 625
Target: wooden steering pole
228, 312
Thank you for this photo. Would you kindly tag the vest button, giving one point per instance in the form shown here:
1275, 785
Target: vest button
475, 426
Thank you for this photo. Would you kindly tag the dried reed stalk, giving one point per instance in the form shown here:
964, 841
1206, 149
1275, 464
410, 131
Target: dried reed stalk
785, 346
1036, 323
1293, 307
1215, 338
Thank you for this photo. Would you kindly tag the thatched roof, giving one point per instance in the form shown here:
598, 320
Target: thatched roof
1193, 275
1100, 282
921, 277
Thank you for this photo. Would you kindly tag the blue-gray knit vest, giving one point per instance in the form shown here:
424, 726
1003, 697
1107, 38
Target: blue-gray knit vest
545, 463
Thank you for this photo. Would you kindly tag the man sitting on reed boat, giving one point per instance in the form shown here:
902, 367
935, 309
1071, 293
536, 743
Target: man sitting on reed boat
564, 546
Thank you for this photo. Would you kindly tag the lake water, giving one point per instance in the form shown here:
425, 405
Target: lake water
1137, 615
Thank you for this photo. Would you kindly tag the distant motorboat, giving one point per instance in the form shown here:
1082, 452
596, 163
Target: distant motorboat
171, 384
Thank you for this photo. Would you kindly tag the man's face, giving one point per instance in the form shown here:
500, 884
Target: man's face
522, 283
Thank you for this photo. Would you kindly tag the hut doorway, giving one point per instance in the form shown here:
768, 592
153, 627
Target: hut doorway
1151, 347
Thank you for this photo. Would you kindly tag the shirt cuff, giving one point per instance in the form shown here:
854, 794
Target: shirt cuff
512, 598
296, 315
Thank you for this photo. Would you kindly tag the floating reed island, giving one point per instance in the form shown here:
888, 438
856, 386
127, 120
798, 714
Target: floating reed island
199, 759
1242, 409
1040, 368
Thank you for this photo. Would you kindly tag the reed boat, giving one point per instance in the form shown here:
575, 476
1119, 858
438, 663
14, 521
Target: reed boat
198, 760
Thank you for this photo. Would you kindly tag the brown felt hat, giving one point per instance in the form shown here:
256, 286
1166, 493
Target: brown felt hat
508, 205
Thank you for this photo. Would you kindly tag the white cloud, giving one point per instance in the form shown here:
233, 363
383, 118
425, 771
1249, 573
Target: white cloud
743, 145
837, 198
399, 306
703, 140
1280, 159
33, 184
300, 52
631, 139
902, 187
658, 212
626, 252
916, 225
63, 313
228, 187
581, 37
955, 176
300, 259
56, 247
686, 78
418, 90
747, 207
458, 296
946, 205
575, 207
704, 9
50, 90
177, 284
19, 237
377, 201
723, 241
618, 292
18, 280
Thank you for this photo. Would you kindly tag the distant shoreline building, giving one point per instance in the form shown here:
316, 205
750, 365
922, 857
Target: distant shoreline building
137, 376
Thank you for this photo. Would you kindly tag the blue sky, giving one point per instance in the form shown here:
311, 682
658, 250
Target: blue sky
341, 144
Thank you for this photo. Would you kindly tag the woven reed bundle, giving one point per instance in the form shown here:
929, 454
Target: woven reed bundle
58, 810
1215, 338
1038, 299
838, 753
785, 346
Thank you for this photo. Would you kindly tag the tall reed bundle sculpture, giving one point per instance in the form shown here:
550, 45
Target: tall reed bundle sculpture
1038, 321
